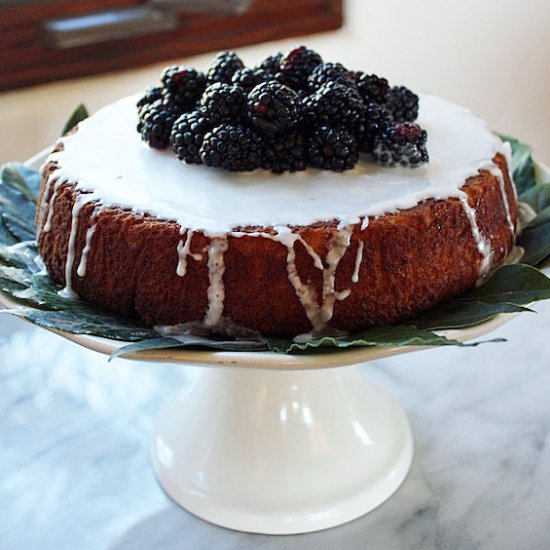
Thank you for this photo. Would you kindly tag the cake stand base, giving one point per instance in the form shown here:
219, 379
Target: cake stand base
281, 452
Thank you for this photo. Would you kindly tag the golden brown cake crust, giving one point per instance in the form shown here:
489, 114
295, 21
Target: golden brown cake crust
411, 261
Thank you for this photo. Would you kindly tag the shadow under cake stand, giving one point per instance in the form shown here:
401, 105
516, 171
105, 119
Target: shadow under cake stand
279, 444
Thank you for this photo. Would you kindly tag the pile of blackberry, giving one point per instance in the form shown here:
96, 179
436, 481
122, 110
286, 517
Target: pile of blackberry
290, 112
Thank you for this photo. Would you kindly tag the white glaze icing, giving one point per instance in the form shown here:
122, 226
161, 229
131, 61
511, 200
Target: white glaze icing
82, 266
483, 245
68, 291
51, 202
134, 176
216, 290
319, 311
358, 260
184, 251
216, 202
497, 172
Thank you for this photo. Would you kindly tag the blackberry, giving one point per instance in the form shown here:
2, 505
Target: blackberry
297, 65
327, 72
377, 119
333, 103
155, 123
372, 88
152, 93
233, 147
273, 108
187, 136
223, 67
223, 103
332, 149
184, 84
272, 64
248, 78
403, 104
402, 144
285, 153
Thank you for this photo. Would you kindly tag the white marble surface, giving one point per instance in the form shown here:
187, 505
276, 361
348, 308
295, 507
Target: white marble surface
75, 434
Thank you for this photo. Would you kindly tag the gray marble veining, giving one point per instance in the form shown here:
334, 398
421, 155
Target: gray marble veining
75, 434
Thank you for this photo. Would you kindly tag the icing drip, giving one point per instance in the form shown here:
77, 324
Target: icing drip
42, 206
358, 260
495, 171
68, 291
337, 248
184, 250
51, 203
216, 291
507, 152
318, 315
82, 266
483, 245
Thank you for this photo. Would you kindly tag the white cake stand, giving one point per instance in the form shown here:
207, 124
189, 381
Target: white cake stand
279, 444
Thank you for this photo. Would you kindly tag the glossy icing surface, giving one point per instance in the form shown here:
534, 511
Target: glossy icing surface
107, 158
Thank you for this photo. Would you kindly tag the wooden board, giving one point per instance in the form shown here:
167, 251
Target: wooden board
26, 58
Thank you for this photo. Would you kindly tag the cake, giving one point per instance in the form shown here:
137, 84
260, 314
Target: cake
135, 231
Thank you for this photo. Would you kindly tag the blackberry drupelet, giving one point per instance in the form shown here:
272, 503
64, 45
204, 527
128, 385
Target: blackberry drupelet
273, 108
272, 64
155, 123
402, 144
233, 147
333, 103
184, 84
377, 119
327, 72
248, 78
152, 93
403, 104
187, 136
332, 149
372, 88
223, 103
223, 67
297, 65
285, 153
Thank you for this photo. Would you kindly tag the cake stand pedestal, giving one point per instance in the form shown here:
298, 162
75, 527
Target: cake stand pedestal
281, 451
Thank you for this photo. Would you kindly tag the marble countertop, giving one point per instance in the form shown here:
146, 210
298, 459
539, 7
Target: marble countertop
75, 436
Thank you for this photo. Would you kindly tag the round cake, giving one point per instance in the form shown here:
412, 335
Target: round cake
135, 231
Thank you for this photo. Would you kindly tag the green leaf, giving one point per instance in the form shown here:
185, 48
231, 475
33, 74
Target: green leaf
15, 178
145, 345
535, 240
81, 322
522, 163
23, 254
384, 336
15, 274
190, 341
6, 236
18, 229
460, 314
538, 197
514, 284
79, 114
